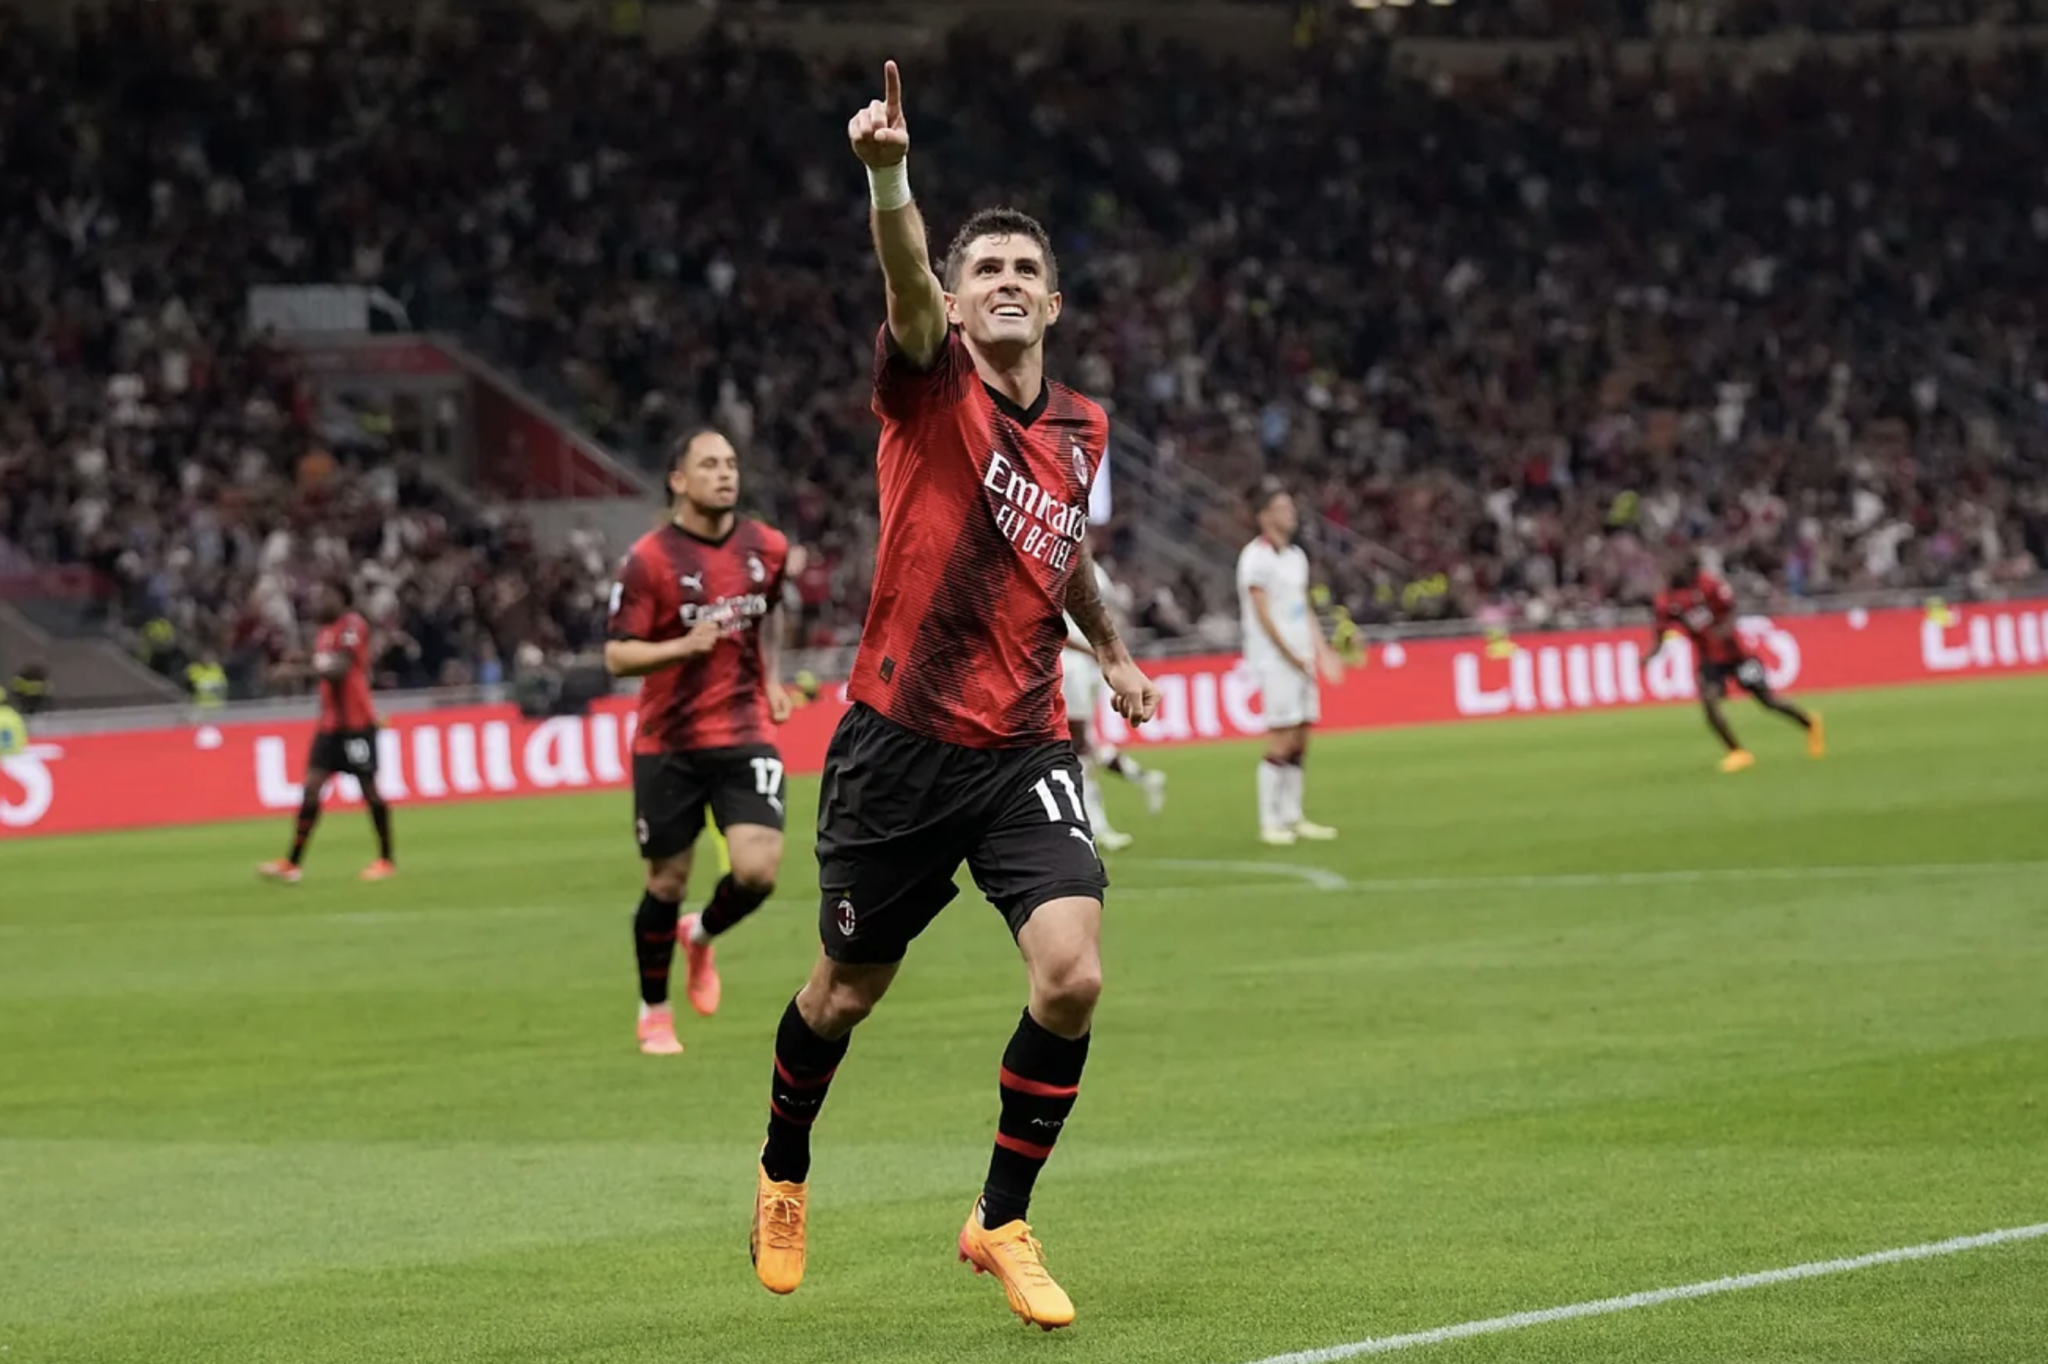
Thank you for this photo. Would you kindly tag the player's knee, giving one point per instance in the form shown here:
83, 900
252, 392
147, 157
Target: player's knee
841, 1005
668, 880
1070, 988
754, 876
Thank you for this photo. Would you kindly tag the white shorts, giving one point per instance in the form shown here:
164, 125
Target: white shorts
1081, 685
1286, 697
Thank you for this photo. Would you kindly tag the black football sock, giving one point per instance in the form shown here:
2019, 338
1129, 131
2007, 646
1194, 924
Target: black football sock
380, 819
804, 1066
1720, 724
302, 831
1041, 1077
654, 941
1786, 709
730, 903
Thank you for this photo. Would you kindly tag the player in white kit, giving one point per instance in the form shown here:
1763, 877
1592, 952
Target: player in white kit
1285, 650
1081, 685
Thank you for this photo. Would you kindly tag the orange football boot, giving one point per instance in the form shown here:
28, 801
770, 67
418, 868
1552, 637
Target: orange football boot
1013, 1255
702, 968
777, 1242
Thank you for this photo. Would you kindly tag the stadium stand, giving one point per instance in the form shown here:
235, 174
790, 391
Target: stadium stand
1505, 358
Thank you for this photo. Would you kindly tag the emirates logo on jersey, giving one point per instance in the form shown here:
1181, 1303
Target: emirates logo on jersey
1035, 519
735, 615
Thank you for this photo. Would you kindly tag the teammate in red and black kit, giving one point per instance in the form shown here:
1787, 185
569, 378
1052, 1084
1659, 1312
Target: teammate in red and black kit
1702, 606
694, 615
956, 747
346, 739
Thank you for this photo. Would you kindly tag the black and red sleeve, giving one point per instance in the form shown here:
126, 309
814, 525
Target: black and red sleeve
903, 392
635, 600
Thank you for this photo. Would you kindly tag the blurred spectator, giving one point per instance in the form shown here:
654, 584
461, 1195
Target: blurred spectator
29, 690
1511, 341
13, 729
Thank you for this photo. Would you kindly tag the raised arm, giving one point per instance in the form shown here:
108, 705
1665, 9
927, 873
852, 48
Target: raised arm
917, 303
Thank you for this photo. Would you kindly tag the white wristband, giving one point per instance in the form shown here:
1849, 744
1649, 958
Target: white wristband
889, 187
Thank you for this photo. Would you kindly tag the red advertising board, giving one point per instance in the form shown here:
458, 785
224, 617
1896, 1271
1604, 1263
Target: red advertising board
214, 772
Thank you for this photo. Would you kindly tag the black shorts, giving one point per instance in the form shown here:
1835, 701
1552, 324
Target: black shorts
1749, 672
901, 812
671, 790
352, 752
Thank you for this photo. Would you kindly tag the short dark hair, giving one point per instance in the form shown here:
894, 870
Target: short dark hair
1263, 492
998, 222
676, 454
681, 449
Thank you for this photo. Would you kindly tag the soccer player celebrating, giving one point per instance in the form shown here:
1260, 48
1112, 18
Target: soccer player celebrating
956, 746
1702, 607
1080, 689
694, 614
1285, 649
345, 739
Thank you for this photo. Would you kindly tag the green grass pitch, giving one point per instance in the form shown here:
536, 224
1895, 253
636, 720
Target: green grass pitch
1565, 1014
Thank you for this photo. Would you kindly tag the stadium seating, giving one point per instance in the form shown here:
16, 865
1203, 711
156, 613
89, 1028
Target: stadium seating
1507, 340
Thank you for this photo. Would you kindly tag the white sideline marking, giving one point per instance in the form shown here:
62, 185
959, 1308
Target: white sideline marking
1322, 878
1656, 1297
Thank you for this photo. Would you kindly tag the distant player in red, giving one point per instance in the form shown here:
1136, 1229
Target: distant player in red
694, 615
956, 748
1701, 606
346, 740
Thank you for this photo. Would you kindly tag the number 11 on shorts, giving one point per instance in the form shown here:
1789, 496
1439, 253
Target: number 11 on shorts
1052, 808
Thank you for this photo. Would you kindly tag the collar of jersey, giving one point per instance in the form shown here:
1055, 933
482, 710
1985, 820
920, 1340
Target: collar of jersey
1023, 416
679, 529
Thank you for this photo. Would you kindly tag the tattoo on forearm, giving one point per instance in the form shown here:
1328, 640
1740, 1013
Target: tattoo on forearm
1086, 606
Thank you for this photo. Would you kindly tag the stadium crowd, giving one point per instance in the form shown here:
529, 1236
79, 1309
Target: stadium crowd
1604, 19
1509, 340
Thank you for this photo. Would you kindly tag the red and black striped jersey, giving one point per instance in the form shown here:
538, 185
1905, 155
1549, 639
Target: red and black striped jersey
345, 701
1705, 611
984, 511
670, 581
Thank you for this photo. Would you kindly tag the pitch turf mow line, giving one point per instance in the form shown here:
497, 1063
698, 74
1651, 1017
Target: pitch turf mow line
1316, 878
1686, 876
1657, 1297
1319, 877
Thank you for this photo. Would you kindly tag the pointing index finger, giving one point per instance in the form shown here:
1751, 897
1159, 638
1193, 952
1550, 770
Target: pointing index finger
892, 91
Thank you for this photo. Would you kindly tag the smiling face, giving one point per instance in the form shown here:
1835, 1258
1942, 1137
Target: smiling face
1002, 281
1004, 294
